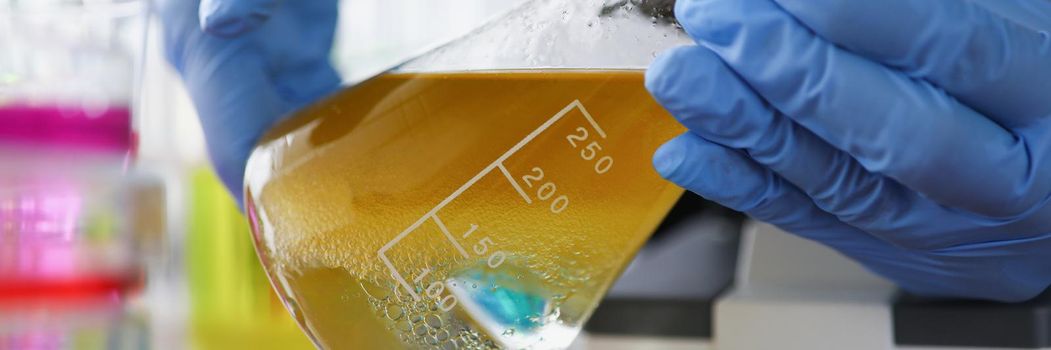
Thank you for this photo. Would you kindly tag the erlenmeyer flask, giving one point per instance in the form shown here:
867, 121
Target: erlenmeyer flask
484, 195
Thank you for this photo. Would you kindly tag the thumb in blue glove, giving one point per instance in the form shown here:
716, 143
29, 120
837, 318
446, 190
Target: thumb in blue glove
246, 64
913, 136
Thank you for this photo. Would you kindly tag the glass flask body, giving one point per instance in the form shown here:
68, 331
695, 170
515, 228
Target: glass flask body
484, 195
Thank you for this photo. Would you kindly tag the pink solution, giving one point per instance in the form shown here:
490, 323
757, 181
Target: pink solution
67, 127
43, 211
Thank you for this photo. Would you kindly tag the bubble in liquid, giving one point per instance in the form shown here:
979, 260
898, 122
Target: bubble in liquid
434, 321
375, 290
403, 326
442, 335
393, 312
420, 330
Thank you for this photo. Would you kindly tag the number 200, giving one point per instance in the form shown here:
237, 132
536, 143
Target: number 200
546, 191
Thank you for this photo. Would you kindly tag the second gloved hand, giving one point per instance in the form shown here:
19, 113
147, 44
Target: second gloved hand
911, 135
246, 63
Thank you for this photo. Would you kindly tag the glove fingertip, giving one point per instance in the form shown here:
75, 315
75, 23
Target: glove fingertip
658, 74
714, 172
703, 167
227, 19
668, 77
669, 158
709, 20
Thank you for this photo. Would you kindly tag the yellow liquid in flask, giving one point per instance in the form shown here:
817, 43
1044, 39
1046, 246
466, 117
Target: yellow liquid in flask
469, 210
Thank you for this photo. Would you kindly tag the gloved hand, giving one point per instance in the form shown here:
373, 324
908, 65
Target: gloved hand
911, 135
246, 63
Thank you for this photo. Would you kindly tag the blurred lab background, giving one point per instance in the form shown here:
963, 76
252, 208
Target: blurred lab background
114, 234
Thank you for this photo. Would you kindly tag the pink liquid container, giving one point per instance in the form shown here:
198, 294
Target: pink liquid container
69, 261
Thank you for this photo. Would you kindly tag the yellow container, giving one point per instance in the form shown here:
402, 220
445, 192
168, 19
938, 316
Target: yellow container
231, 303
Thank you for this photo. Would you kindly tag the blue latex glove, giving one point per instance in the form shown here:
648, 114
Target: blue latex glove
246, 63
911, 135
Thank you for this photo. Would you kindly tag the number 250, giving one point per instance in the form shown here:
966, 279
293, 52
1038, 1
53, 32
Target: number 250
590, 151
